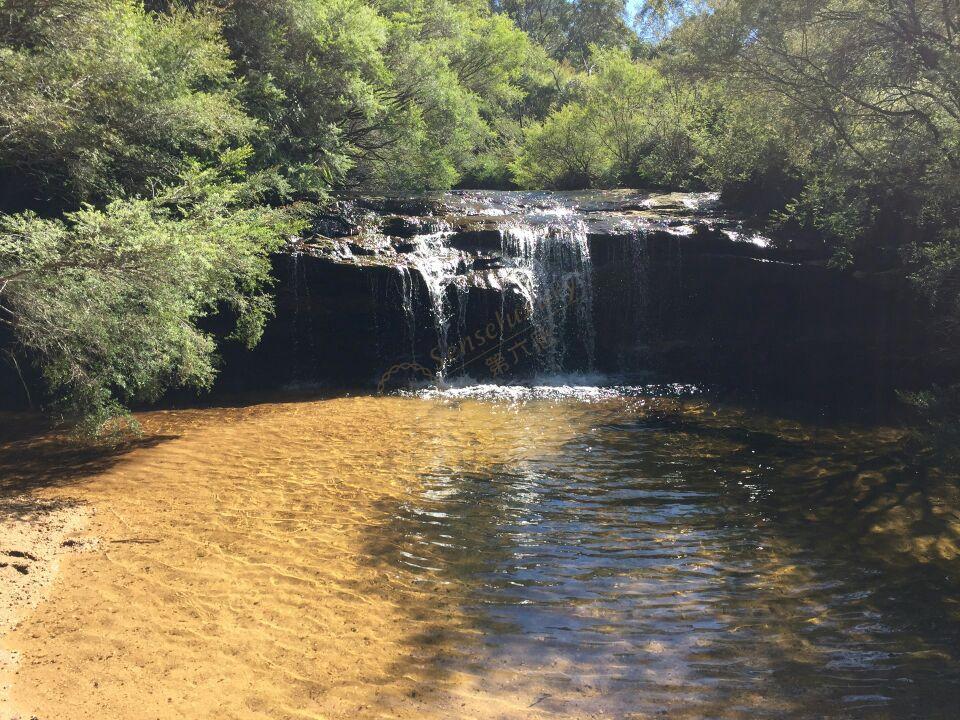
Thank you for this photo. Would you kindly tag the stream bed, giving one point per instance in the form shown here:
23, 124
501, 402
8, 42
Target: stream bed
501, 551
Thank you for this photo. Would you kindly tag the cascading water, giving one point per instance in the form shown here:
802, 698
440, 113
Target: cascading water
436, 265
543, 260
432, 260
555, 274
408, 307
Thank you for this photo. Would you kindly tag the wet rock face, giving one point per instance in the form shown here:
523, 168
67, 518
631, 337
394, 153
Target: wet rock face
506, 284
722, 314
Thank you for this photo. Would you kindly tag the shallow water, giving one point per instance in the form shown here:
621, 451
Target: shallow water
508, 552
678, 557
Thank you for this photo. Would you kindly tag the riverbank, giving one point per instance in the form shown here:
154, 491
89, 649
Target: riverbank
35, 535
236, 577
39, 529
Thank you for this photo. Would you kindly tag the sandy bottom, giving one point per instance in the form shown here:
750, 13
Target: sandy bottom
263, 562
236, 577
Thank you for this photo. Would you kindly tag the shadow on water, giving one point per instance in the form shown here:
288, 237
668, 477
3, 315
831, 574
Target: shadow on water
32, 458
692, 563
852, 482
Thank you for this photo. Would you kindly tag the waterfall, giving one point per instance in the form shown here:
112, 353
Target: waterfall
431, 259
502, 285
555, 275
462, 294
536, 257
436, 265
548, 263
301, 335
408, 307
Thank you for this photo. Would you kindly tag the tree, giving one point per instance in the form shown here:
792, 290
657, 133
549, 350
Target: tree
563, 153
568, 29
629, 124
315, 77
98, 96
107, 302
393, 95
868, 89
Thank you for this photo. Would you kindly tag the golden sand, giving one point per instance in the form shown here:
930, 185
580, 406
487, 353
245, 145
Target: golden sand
237, 579
241, 571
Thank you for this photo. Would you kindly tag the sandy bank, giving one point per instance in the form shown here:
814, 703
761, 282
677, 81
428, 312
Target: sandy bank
240, 573
35, 534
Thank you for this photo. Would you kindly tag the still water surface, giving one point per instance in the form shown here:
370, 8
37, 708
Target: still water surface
678, 555
507, 552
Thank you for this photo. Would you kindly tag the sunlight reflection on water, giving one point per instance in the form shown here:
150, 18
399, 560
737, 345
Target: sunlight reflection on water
671, 555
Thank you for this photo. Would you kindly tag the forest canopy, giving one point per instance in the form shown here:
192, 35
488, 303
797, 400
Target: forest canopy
138, 135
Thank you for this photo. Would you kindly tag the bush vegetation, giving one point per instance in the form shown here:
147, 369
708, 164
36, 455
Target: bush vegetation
154, 152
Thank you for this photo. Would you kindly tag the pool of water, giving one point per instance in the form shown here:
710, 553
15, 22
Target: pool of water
502, 552
682, 558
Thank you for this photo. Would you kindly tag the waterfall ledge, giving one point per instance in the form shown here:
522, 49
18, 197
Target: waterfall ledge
495, 285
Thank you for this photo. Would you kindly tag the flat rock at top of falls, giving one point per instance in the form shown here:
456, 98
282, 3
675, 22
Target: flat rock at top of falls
465, 229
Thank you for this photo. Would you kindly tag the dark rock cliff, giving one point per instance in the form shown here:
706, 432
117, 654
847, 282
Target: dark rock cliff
631, 285
497, 285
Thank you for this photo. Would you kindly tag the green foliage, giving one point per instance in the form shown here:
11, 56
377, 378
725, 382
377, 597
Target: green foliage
107, 95
400, 95
568, 29
564, 152
869, 115
937, 419
838, 119
120, 106
854, 107
747, 150
629, 124
392, 96
315, 77
107, 301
